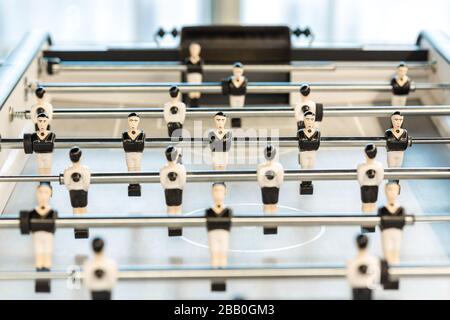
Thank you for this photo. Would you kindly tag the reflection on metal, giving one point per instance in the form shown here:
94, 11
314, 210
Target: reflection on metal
244, 175
339, 111
215, 87
230, 273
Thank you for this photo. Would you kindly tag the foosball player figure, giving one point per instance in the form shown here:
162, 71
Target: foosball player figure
235, 87
391, 224
401, 85
42, 142
40, 222
218, 224
77, 179
133, 142
41, 106
175, 114
308, 144
270, 178
370, 174
173, 179
392, 221
194, 71
397, 141
100, 273
220, 142
364, 271
305, 105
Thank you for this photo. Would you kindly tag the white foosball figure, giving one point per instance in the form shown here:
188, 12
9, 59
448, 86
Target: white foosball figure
401, 85
41, 223
41, 106
370, 175
194, 70
305, 105
77, 179
363, 271
42, 142
235, 86
220, 142
133, 142
218, 223
270, 178
397, 141
391, 224
100, 273
308, 144
173, 179
174, 114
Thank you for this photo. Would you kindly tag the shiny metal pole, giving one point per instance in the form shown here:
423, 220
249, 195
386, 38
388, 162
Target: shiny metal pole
266, 112
116, 143
215, 87
245, 175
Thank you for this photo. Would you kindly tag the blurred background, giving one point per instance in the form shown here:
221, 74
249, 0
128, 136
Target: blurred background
127, 21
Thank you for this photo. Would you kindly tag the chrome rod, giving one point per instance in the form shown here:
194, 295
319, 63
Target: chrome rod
249, 175
339, 111
215, 87
230, 273
116, 143
102, 221
67, 66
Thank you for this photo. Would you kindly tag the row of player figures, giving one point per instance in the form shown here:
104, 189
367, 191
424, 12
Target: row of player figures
100, 273
220, 140
42, 141
235, 86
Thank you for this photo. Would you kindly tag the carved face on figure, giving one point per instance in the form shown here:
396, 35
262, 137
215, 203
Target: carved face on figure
392, 190
238, 72
42, 123
402, 70
133, 122
43, 195
220, 120
194, 50
397, 121
218, 193
309, 121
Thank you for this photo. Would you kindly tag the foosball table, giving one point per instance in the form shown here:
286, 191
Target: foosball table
236, 165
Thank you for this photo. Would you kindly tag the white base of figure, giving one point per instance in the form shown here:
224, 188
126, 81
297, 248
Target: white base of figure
219, 160
391, 240
44, 163
395, 159
237, 101
174, 210
307, 159
218, 247
79, 210
369, 207
194, 78
134, 160
398, 100
270, 210
43, 248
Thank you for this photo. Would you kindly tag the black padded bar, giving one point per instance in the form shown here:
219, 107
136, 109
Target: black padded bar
248, 44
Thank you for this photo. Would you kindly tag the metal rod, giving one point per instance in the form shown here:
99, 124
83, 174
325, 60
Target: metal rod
239, 221
67, 66
231, 273
215, 87
249, 175
116, 143
339, 111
